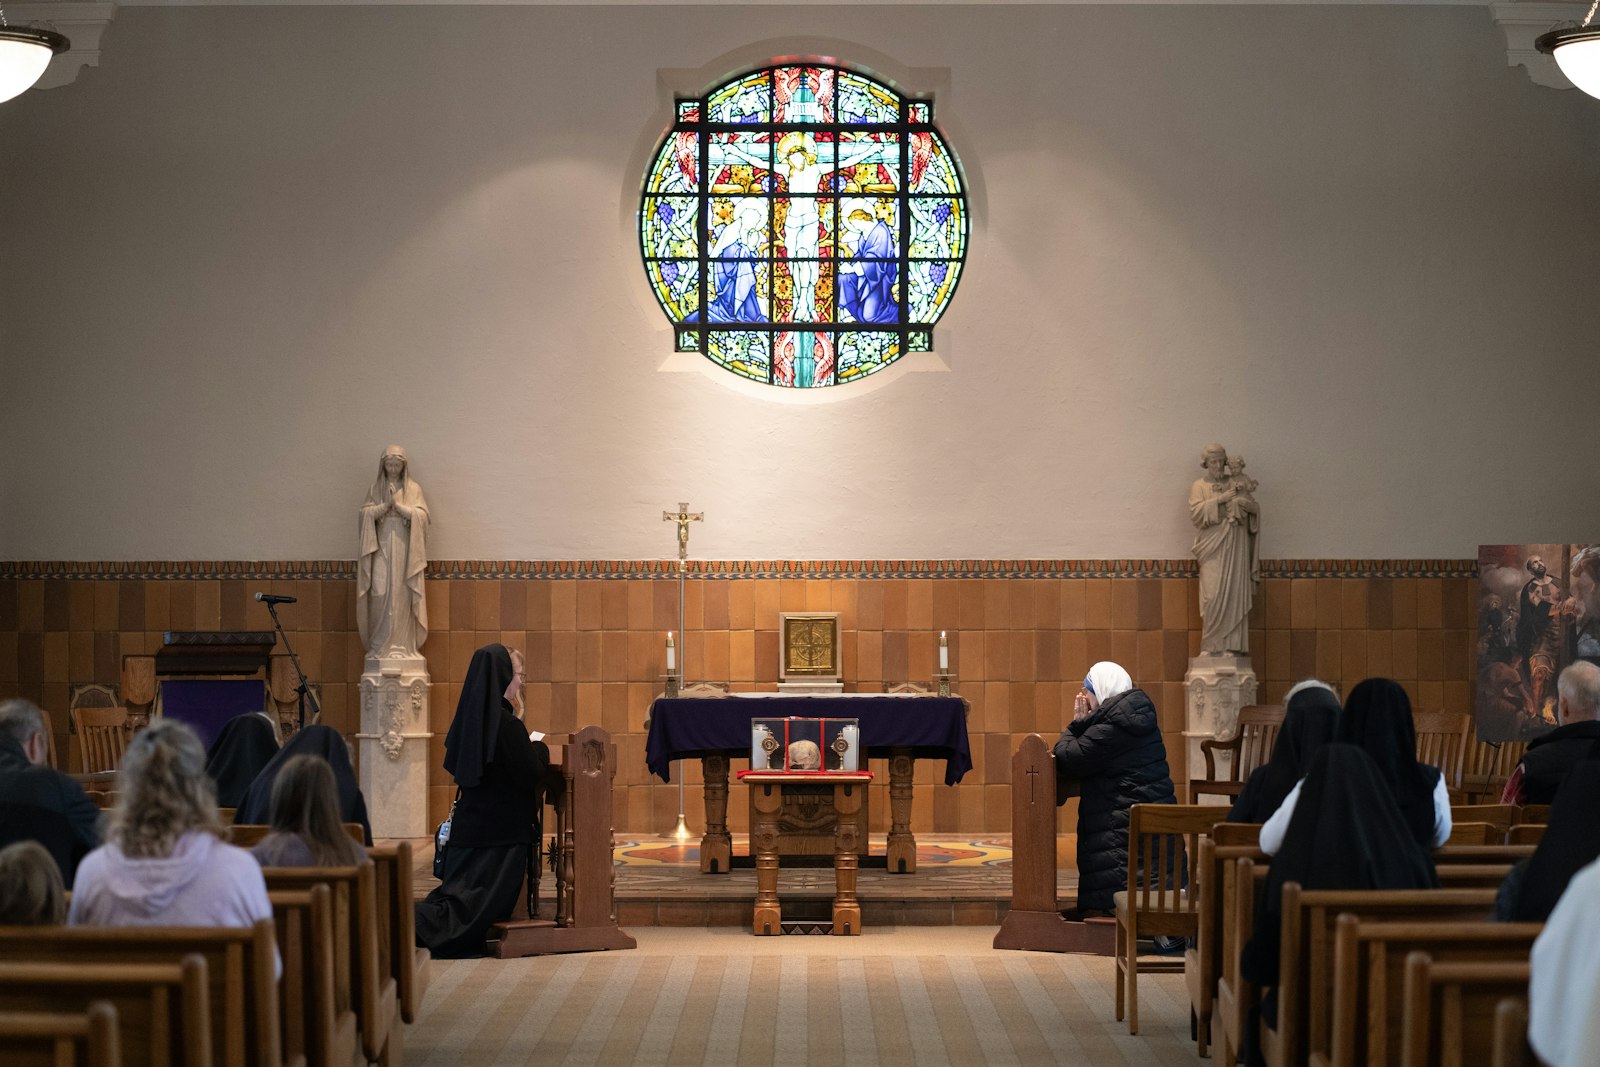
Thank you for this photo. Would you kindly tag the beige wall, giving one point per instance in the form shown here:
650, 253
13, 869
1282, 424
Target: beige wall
257, 244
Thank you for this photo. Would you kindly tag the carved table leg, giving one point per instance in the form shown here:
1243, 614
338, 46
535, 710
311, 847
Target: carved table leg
764, 843
716, 847
902, 846
846, 837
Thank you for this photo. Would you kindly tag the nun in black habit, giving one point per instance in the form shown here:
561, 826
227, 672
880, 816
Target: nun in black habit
315, 740
500, 772
246, 744
1347, 832
1570, 843
1309, 722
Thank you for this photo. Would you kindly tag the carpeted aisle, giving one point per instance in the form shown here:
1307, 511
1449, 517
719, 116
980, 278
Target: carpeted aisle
906, 995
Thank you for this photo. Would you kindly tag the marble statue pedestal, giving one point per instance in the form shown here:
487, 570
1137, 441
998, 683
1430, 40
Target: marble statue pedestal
393, 745
1215, 688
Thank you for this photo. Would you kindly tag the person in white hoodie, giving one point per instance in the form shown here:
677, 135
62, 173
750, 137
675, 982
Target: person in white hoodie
164, 862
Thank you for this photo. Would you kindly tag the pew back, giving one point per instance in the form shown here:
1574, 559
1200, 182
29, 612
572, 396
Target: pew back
315, 1024
163, 1010
1450, 1009
62, 1039
240, 969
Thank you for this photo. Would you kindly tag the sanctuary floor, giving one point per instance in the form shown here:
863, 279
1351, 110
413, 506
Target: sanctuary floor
960, 881
894, 995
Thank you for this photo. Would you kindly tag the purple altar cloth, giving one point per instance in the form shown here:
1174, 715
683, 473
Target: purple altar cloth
931, 727
207, 704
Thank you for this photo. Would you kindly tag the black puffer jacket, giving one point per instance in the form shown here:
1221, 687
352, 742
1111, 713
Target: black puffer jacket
1117, 759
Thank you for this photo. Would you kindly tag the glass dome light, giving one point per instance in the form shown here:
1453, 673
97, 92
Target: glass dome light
25, 52
1577, 53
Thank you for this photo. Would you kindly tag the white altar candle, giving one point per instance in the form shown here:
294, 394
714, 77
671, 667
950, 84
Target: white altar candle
672, 654
944, 652
852, 755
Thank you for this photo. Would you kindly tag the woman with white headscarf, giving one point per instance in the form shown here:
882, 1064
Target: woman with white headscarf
391, 611
1113, 755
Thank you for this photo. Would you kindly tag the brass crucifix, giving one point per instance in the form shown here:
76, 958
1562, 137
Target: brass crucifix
683, 517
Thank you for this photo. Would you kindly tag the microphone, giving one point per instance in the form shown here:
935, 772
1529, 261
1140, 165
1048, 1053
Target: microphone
273, 598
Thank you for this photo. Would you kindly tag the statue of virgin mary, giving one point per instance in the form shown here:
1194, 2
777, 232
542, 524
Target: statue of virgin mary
391, 608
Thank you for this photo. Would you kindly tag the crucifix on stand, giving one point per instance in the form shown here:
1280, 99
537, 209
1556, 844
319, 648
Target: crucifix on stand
683, 517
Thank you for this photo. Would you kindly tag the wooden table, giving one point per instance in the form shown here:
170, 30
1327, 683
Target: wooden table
766, 789
900, 729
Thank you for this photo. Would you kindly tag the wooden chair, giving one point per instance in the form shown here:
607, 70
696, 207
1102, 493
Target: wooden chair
1500, 816
1156, 902
1450, 1009
1511, 1048
1369, 960
240, 968
1249, 747
1528, 833
163, 1011
316, 1024
372, 992
1488, 766
103, 735
408, 963
1202, 961
1527, 813
1305, 965
1442, 743
1474, 833
57, 1039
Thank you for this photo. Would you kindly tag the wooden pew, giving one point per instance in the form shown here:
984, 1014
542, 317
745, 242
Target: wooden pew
1450, 1009
1500, 816
1236, 996
1527, 833
248, 835
372, 992
1511, 1048
1475, 833
408, 963
62, 1039
316, 1023
1202, 961
1306, 961
163, 1010
241, 966
1369, 960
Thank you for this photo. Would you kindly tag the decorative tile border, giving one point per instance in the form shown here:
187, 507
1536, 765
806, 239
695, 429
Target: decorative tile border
469, 570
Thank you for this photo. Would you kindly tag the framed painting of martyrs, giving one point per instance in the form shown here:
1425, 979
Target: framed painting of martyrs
808, 647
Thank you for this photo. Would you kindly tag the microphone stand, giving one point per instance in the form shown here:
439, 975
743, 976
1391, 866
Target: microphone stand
304, 688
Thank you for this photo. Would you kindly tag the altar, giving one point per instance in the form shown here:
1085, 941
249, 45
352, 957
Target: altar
900, 728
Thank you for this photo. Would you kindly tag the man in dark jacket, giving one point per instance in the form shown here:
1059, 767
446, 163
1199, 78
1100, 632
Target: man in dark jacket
1113, 753
38, 802
1548, 759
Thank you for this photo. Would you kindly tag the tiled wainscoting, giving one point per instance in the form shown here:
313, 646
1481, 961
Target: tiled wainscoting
1021, 635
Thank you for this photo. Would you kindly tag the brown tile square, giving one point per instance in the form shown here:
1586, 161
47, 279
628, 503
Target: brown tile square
1175, 653
997, 605
1279, 663
80, 611
1380, 603
968, 654
1075, 661
590, 593
485, 603
742, 655
1074, 604
1174, 604
614, 655
1303, 603
817, 594
1456, 598
869, 656
896, 656
1302, 654
1125, 649
767, 600
1403, 644
997, 655
1330, 603
437, 593
8, 605
588, 651
1430, 603
589, 704
741, 604
1459, 652
1354, 593
767, 656
1096, 603
462, 604
714, 605
1430, 655
842, 598
563, 606
1024, 651
896, 604
30, 605
1279, 600
106, 614
919, 603
1019, 592
922, 655
80, 657
1149, 656
30, 658
57, 605
1124, 603
1044, 596
792, 595
1353, 665
107, 658
563, 707
54, 655
513, 604
1403, 603
1330, 654
614, 604
8, 654
971, 593
946, 604
1097, 646
1380, 654
871, 597
664, 607
1149, 591
537, 609
1047, 654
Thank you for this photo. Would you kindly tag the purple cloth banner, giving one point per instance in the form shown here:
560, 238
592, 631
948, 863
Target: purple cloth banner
207, 704
931, 727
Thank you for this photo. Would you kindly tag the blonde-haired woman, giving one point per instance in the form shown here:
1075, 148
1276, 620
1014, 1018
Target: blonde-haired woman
164, 862
306, 828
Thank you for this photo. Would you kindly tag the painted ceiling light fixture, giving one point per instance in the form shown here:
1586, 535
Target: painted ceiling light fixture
25, 52
1577, 52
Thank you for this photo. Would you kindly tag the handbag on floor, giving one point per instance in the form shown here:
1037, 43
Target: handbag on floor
441, 837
